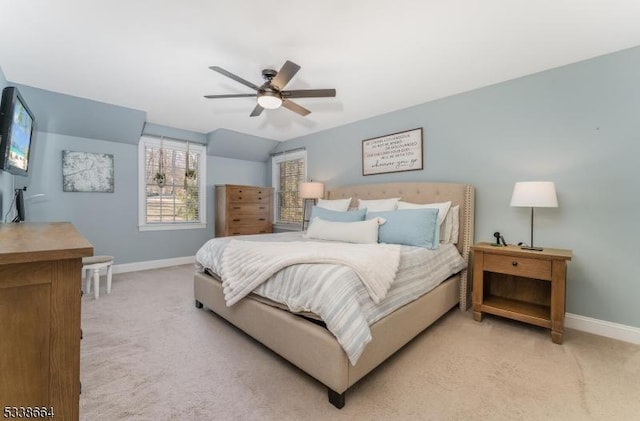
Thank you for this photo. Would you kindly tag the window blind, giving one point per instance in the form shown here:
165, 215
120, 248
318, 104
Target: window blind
288, 170
173, 182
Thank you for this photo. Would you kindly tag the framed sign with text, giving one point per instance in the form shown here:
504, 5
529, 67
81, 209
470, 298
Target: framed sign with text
392, 153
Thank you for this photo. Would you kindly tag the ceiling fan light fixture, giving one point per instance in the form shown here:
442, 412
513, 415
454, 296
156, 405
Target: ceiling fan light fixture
269, 100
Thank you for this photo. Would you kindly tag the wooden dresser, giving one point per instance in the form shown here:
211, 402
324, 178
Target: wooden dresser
40, 288
243, 210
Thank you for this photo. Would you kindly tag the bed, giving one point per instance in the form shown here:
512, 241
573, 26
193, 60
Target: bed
311, 346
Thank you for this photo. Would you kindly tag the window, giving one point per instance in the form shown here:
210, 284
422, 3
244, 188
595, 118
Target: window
288, 169
172, 184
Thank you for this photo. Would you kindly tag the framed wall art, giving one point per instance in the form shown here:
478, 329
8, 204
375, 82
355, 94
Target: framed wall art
87, 172
392, 153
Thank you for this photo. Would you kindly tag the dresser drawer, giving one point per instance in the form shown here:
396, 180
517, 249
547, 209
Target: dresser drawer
250, 229
249, 209
519, 266
239, 195
242, 220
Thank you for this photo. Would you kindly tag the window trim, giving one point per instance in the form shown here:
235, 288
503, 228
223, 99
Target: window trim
275, 181
202, 171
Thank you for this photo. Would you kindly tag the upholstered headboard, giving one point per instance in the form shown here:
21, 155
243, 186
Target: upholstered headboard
459, 194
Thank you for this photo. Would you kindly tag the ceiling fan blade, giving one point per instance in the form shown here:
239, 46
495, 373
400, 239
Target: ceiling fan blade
231, 96
309, 93
234, 77
290, 105
289, 69
256, 111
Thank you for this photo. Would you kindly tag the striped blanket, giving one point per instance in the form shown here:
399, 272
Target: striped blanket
335, 292
245, 265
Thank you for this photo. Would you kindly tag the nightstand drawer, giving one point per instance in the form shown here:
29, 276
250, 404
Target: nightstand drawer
519, 266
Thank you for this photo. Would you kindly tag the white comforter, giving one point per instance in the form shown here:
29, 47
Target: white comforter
336, 293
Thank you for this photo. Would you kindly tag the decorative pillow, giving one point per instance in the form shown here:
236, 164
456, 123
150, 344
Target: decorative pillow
378, 205
350, 232
442, 207
412, 227
336, 204
455, 225
446, 228
338, 216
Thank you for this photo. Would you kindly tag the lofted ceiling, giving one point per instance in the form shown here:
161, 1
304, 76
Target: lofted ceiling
380, 56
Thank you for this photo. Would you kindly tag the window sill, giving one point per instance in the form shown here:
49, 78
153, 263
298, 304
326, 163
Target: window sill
171, 227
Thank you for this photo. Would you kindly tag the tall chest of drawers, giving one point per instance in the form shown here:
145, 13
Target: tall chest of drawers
243, 210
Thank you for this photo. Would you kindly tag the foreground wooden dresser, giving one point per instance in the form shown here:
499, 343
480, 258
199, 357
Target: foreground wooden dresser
40, 288
243, 210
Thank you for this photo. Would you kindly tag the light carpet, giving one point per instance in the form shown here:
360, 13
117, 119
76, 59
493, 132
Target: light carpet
149, 354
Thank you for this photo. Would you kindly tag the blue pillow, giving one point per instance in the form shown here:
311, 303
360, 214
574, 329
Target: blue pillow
412, 227
338, 216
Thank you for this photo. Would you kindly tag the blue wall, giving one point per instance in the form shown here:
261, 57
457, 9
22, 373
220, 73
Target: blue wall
81, 117
110, 220
576, 125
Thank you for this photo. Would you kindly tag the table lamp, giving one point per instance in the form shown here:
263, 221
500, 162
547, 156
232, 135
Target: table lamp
534, 194
309, 190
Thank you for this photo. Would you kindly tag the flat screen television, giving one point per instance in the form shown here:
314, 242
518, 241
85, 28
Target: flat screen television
16, 132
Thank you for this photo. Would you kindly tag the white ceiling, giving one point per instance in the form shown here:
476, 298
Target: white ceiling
381, 56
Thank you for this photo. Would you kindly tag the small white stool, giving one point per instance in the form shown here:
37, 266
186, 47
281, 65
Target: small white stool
95, 263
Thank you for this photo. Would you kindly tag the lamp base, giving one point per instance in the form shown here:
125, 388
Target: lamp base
531, 248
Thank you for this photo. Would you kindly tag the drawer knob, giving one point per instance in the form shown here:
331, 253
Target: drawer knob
514, 263
236, 220
261, 219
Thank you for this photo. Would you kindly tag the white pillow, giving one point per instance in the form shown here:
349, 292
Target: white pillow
350, 232
379, 205
443, 208
455, 226
340, 205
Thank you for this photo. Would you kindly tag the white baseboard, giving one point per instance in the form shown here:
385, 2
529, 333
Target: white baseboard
153, 264
603, 328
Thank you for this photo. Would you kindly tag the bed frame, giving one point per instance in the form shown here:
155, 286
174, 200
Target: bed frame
313, 348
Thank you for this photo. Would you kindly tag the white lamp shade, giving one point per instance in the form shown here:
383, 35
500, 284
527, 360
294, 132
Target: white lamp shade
534, 194
311, 190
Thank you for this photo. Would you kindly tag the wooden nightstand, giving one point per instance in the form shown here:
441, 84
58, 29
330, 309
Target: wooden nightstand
523, 285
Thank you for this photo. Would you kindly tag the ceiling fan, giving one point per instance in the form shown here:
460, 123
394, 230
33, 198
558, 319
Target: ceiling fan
271, 93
